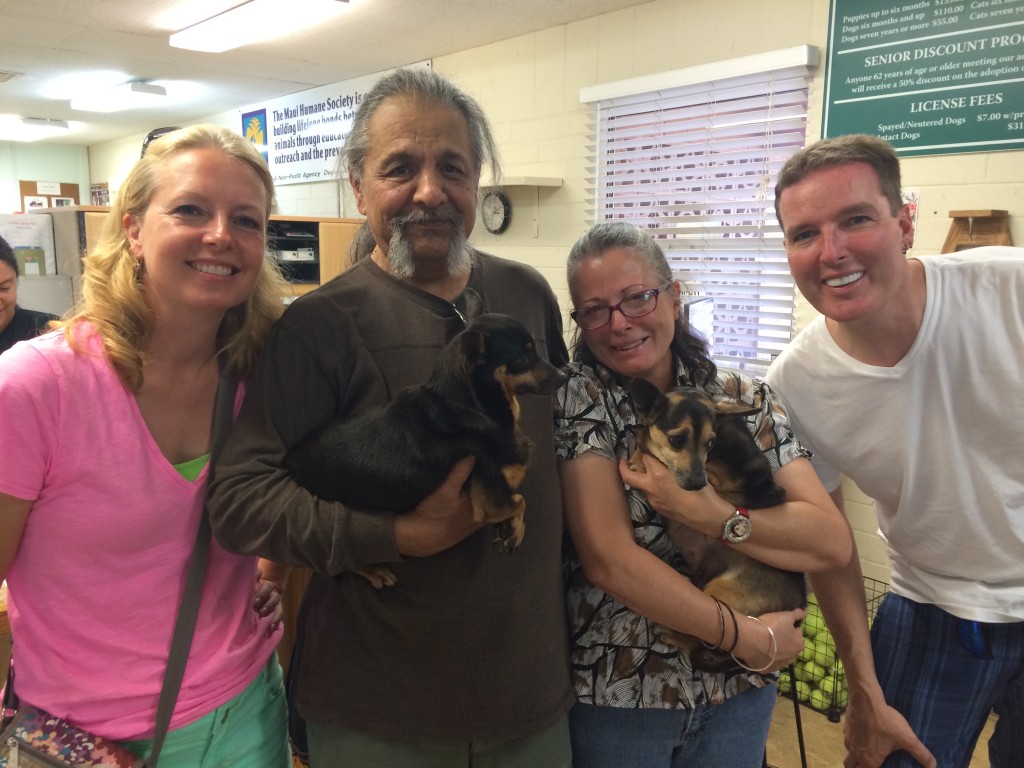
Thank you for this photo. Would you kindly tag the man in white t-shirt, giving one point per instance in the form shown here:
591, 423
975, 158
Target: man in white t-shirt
911, 382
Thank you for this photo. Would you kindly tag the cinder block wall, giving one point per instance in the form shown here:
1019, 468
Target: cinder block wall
529, 86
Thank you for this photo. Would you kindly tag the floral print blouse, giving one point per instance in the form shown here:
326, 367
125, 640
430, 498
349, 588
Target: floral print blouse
617, 658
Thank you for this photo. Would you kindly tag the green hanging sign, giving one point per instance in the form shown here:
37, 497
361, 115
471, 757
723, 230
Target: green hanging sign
930, 77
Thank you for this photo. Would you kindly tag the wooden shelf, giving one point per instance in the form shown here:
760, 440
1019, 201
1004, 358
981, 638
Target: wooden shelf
971, 229
78, 228
523, 181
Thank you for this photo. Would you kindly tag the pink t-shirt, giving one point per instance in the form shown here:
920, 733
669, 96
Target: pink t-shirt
99, 574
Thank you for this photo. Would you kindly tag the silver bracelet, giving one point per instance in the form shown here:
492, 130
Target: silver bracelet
775, 649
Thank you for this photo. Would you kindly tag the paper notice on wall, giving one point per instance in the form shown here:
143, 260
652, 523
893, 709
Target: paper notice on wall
301, 135
31, 237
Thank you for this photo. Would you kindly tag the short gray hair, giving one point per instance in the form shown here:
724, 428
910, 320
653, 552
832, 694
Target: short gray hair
606, 235
428, 87
688, 347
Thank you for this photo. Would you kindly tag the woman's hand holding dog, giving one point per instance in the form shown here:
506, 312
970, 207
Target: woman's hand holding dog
770, 651
702, 510
442, 519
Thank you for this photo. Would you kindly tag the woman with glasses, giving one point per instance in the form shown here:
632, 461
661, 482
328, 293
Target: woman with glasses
640, 703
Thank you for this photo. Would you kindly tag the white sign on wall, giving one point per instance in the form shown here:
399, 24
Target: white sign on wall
31, 237
301, 135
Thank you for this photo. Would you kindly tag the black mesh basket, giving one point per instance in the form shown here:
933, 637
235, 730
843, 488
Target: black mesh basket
817, 679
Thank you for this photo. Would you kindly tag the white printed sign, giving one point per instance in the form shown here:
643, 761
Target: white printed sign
301, 135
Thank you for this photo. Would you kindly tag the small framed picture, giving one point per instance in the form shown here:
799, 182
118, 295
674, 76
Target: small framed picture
33, 202
63, 202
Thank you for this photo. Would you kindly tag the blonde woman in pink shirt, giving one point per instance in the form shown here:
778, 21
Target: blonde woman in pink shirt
105, 444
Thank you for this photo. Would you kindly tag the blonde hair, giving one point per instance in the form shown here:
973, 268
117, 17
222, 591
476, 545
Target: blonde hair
112, 299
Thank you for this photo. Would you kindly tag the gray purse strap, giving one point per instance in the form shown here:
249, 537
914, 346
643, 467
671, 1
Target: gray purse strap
185, 624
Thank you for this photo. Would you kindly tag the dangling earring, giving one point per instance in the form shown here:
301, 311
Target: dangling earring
139, 267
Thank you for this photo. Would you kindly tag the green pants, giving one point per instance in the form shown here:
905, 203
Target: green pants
249, 731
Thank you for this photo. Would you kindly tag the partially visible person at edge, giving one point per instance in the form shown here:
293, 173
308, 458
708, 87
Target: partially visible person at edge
16, 323
106, 439
909, 383
464, 661
640, 703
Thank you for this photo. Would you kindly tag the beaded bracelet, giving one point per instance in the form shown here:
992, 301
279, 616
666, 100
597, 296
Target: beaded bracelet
775, 649
721, 622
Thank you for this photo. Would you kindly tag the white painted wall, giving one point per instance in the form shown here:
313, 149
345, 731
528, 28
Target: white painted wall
25, 161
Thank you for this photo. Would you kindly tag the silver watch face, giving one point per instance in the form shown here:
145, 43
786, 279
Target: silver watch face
737, 528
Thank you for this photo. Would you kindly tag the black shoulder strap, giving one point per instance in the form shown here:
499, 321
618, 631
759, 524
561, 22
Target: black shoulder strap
184, 626
9, 707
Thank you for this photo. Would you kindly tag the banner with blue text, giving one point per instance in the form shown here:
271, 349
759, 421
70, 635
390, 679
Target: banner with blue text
300, 135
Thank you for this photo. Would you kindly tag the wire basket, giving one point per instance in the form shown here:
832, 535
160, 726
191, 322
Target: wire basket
817, 678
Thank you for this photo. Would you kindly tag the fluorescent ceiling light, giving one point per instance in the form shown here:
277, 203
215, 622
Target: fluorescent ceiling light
121, 97
17, 128
253, 22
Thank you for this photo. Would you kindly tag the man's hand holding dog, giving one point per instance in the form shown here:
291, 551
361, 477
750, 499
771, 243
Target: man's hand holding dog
271, 578
442, 519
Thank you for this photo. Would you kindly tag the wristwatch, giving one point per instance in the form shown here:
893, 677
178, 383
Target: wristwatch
738, 527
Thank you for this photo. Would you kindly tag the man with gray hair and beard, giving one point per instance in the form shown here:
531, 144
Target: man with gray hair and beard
464, 661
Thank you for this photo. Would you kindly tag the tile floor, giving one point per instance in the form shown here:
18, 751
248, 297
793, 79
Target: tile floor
823, 740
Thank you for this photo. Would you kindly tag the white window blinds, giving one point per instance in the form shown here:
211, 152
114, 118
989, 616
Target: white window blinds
696, 163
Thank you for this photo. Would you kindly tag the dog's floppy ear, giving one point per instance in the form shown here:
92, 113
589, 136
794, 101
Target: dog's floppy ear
646, 397
474, 346
732, 408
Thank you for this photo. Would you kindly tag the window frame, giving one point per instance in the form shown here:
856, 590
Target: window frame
693, 155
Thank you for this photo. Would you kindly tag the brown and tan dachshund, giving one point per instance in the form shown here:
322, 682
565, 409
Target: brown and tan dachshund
703, 442
390, 458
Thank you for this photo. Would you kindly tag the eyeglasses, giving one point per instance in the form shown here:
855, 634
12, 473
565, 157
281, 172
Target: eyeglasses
637, 305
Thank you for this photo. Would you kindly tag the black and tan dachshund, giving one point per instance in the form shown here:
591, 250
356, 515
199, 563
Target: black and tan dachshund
389, 458
703, 442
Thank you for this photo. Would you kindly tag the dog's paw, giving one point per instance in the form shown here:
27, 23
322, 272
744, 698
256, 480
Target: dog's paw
379, 575
636, 462
508, 534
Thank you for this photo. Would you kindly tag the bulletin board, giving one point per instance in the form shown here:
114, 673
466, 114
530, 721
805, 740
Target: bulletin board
928, 76
47, 194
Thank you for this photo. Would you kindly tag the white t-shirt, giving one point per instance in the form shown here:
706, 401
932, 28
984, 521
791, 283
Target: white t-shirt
937, 440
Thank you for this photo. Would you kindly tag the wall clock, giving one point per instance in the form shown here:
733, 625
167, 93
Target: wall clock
496, 212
